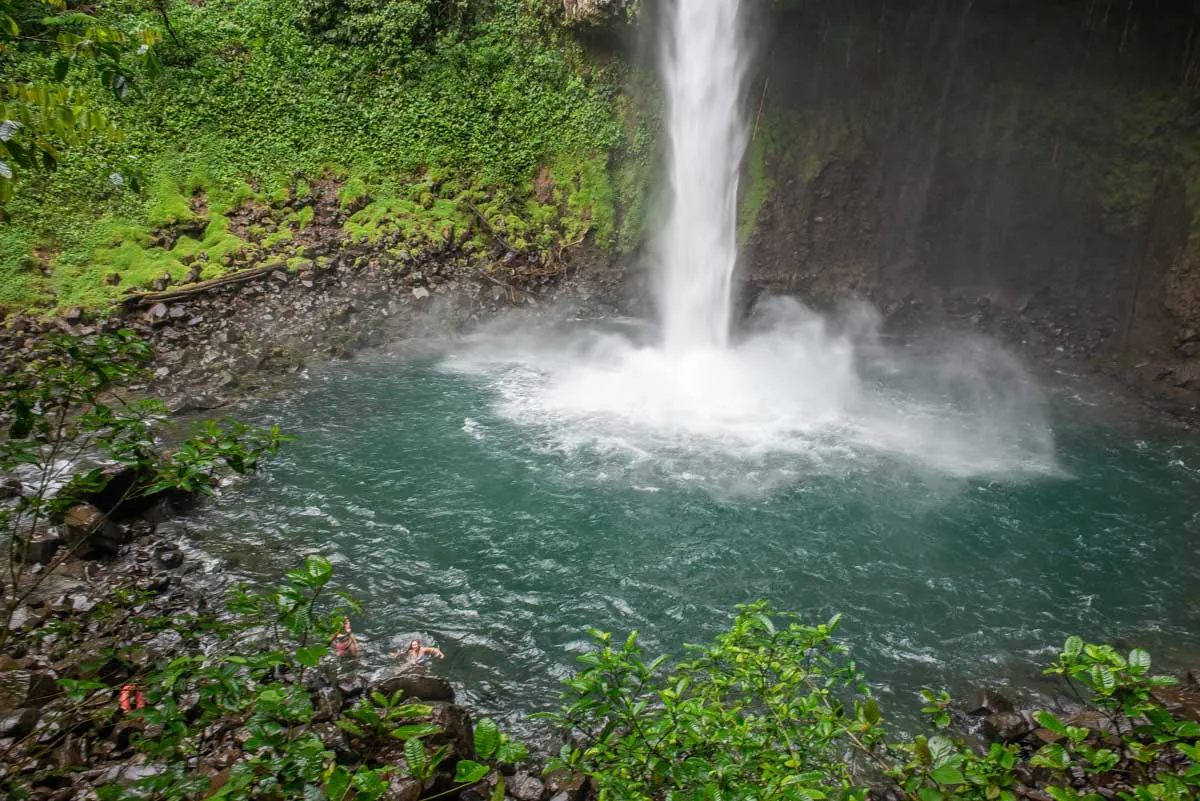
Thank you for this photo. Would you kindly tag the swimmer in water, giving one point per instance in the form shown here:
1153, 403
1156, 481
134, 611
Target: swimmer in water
344, 642
418, 654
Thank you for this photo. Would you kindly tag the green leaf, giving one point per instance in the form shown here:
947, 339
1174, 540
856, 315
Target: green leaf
468, 772
487, 738
947, 774
512, 753
311, 656
1073, 647
1048, 721
414, 731
1140, 659
871, 711
414, 754
498, 793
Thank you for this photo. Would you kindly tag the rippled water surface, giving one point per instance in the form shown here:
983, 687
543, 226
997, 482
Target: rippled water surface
487, 505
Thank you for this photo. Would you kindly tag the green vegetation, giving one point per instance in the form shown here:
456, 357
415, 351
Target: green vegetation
776, 709
426, 109
59, 411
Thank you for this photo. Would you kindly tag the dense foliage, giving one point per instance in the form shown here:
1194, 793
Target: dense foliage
477, 99
69, 433
776, 709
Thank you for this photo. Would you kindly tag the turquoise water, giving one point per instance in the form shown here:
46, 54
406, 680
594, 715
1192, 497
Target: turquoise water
462, 510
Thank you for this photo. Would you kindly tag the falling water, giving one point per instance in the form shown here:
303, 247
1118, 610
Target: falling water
703, 65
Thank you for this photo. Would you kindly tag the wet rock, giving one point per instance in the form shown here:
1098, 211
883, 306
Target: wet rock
1006, 727
19, 723
352, 686
87, 524
416, 684
456, 729
989, 702
168, 557
403, 789
328, 702
10, 487
566, 785
42, 546
20, 688
1182, 702
525, 787
70, 754
157, 314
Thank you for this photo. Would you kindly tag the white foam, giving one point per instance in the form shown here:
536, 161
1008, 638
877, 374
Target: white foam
790, 400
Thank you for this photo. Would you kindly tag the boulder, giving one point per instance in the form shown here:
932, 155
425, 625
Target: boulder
87, 524
168, 557
19, 723
402, 788
525, 787
416, 684
566, 785
21, 688
456, 730
989, 702
42, 546
1005, 727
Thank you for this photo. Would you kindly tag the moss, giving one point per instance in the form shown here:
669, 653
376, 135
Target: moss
121, 248
304, 217
166, 204
756, 191
21, 282
353, 190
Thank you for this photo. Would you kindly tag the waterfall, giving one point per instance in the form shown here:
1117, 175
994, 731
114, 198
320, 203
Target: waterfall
703, 66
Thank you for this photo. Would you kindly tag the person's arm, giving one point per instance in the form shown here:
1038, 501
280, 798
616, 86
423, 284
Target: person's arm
430, 650
353, 645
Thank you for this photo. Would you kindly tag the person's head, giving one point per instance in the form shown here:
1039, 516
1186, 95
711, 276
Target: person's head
346, 625
414, 646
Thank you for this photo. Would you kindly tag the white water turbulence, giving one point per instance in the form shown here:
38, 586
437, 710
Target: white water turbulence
794, 394
703, 66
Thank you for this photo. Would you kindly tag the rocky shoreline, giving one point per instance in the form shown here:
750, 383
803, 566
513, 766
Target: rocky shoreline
106, 620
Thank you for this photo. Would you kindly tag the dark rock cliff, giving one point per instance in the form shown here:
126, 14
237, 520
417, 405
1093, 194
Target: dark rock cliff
1027, 167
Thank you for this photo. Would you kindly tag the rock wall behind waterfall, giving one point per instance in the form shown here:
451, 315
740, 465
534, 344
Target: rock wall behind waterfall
1028, 167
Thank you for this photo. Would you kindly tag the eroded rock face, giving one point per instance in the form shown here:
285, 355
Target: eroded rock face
585, 13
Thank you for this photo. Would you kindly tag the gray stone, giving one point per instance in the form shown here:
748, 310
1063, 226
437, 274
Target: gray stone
19, 723
524, 787
416, 684
1006, 727
168, 557
85, 523
989, 702
42, 547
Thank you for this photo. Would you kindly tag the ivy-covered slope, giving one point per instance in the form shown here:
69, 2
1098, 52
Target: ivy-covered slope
441, 121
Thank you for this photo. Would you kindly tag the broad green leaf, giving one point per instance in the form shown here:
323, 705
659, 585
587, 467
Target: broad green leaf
1049, 721
468, 772
871, 711
1139, 658
487, 738
414, 754
947, 774
311, 656
414, 731
1073, 647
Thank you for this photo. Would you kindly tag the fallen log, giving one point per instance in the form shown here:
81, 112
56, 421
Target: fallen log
193, 290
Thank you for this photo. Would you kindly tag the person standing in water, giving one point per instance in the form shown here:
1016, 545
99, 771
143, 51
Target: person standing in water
344, 642
418, 654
